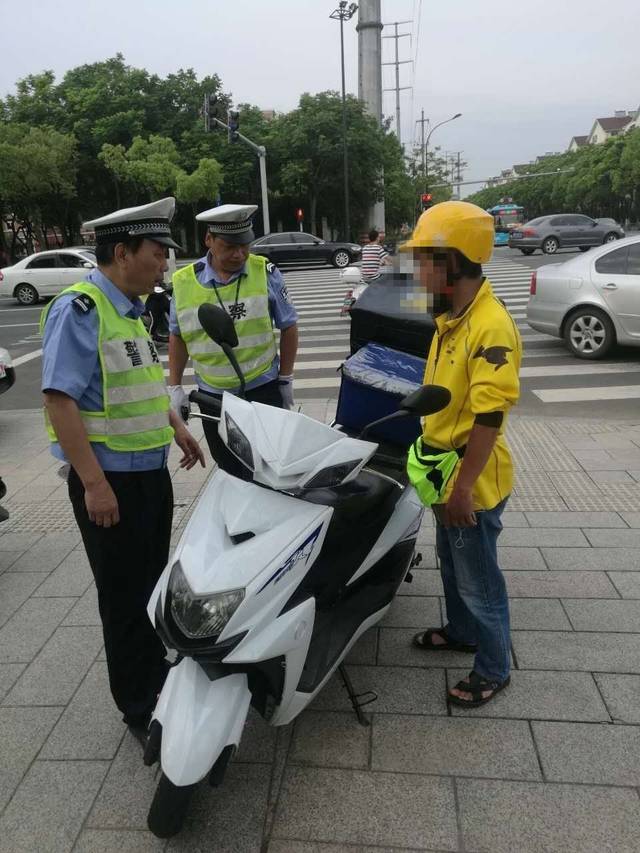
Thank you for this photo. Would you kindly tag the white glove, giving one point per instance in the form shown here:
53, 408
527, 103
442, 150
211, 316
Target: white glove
286, 391
179, 400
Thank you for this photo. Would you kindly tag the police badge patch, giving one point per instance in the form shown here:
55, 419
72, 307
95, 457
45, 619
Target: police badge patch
284, 293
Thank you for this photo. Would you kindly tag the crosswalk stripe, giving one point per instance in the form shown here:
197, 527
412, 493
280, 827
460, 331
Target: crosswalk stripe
573, 369
588, 394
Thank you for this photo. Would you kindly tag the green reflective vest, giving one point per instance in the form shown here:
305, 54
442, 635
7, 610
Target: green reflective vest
256, 348
135, 399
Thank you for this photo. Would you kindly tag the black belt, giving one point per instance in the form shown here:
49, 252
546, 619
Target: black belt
430, 450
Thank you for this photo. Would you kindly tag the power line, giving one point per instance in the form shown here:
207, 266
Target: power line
397, 63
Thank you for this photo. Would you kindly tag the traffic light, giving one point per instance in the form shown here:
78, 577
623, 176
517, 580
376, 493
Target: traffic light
427, 200
209, 110
233, 121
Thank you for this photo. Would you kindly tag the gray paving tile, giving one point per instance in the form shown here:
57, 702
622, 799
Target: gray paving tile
47, 810
513, 518
412, 611
579, 651
330, 739
228, 819
443, 746
127, 792
589, 753
8, 558
519, 559
611, 477
53, 676
553, 584
425, 582
39, 559
281, 846
621, 694
395, 649
502, 817
574, 519
357, 807
15, 588
85, 609
71, 578
591, 559
9, 674
613, 538
426, 536
22, 733
632, 518
603, 615
258, 742
400, 690
626, 583
560, 537
91, 725
365, 649
18, 541
539, 614
544, 695
120, 840
22, 636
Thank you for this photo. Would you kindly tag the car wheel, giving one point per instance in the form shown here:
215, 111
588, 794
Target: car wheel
611, 237
341, 259
550, 246
26, 294
527, 251
584, 248
589, 333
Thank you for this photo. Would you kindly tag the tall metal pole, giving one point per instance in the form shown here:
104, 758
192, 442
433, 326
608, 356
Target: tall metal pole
370, 80
345, 151
397, 62
262, 158
435, 127
422, 121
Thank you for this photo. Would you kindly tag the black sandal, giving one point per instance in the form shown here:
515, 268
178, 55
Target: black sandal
424, 640
476, 685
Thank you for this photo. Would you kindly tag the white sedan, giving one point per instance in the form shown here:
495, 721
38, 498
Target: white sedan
45, 274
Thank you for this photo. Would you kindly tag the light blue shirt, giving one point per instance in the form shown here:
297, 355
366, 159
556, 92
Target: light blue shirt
70, 364
282, 312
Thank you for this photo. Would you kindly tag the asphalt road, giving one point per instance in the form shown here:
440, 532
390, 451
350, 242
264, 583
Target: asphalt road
550, 366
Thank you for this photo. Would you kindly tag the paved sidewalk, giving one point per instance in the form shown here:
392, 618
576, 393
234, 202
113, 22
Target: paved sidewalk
553, 764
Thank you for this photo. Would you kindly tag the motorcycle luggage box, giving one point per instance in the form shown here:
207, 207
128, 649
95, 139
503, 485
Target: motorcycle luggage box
373, 383
383, 315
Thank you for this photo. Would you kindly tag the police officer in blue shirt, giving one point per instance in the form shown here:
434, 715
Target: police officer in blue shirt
254, 294
109, 418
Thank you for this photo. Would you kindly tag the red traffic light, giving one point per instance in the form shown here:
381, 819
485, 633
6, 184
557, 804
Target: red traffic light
426, 198
299, 214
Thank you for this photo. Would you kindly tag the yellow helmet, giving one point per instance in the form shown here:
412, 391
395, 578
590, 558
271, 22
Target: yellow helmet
455, 225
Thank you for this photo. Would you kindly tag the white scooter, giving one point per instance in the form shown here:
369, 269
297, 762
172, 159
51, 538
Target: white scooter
274, 580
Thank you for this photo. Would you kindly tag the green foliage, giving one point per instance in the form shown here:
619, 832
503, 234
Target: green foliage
201, 185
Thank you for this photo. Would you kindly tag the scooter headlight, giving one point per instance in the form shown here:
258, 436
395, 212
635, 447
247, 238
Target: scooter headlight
237, 442
200, 616
327, 478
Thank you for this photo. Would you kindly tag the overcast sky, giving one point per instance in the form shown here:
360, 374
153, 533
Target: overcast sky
525, 76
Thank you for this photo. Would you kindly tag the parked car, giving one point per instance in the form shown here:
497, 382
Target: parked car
45, 274
592, 302
551, 233
7, 371
297, 247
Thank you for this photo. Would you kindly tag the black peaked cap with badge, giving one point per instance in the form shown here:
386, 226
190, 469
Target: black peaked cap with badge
232, 222
152, 221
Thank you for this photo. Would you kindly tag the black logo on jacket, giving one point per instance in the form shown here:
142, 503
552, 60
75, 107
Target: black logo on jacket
494, 355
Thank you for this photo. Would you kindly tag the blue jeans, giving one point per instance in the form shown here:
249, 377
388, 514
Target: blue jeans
475, 591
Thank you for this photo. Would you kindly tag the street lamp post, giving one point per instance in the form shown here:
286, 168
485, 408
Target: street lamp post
344, 13
426, 148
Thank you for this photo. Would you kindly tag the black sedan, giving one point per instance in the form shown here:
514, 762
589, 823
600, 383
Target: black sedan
566, 230
296, 247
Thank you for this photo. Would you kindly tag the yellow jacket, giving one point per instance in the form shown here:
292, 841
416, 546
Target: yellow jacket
477, 357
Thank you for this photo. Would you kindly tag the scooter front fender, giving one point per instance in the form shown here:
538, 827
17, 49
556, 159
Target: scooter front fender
199, 718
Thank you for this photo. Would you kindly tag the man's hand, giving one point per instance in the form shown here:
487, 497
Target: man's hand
179, 399
286, 390
190, 447
458, 511
102, 504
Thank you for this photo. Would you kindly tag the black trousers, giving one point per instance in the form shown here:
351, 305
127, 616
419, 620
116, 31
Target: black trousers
270, 394
127, 561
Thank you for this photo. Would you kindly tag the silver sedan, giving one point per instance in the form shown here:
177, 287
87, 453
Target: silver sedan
591, 301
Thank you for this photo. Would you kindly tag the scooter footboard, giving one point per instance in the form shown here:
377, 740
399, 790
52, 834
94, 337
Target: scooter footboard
199, 718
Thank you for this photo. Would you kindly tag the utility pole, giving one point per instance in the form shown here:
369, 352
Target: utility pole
459, 176
422, 121
397, 62
369, 30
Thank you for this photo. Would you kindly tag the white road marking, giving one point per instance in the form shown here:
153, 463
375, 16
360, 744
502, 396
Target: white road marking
586, 395
29, 356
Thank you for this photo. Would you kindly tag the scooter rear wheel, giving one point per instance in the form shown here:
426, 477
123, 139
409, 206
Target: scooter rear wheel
169, 808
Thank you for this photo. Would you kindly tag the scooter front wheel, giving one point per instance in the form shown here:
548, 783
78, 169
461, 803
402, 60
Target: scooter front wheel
169, 807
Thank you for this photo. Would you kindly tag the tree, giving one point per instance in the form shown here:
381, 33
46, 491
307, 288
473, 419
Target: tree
37, 181
203, 184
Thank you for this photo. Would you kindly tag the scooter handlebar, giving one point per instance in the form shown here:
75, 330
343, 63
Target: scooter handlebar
211, 404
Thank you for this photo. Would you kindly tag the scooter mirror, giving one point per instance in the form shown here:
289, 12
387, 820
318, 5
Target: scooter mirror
426, 400
218, 325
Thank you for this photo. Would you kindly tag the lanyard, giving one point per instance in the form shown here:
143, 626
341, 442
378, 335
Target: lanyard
234, 313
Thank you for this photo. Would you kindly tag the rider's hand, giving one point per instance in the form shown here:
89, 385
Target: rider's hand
458, 511
179, 400
286, 391
102, 504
